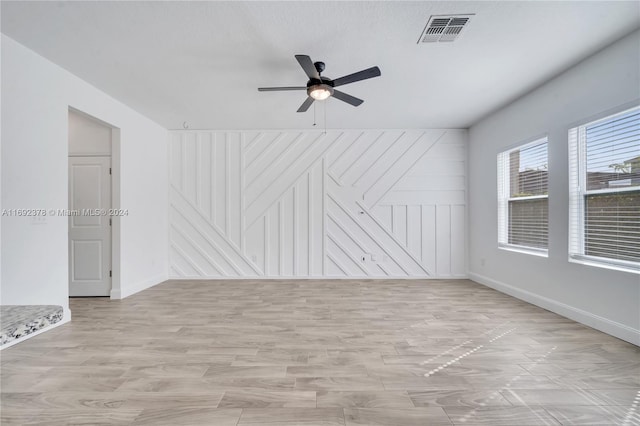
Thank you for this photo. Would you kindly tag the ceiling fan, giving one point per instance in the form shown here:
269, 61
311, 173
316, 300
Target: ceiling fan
320, 88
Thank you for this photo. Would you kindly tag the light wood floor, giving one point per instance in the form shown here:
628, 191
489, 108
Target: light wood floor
319, 353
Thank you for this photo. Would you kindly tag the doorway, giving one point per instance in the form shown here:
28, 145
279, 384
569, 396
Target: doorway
90, 204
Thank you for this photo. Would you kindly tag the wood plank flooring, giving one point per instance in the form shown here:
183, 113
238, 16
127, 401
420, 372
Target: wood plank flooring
319, 352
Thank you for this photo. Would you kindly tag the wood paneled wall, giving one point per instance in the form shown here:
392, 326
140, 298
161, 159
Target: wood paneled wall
349, 203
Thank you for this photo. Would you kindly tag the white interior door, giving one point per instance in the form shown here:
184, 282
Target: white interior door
89, 227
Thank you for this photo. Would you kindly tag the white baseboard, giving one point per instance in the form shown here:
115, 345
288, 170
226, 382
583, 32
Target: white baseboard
143, 285
616, 329
137, 287
66, 317
318, 277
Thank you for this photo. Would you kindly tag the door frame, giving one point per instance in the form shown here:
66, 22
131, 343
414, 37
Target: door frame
116, 292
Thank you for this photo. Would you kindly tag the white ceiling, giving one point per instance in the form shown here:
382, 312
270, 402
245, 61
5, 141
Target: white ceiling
201, 62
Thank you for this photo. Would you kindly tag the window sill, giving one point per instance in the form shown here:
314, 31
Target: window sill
524, 250
621, 267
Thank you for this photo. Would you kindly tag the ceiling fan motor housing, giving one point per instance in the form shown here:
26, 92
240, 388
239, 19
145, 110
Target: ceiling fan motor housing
323, 80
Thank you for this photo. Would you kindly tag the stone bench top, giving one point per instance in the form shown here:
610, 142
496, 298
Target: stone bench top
20, 320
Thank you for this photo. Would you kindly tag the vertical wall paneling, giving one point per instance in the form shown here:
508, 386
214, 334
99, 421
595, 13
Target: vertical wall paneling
213, 170
352, 203
443, 239
428, 244
458, 267
227, 189
266, 246
220, 189
241, 160
311, 208
324, 217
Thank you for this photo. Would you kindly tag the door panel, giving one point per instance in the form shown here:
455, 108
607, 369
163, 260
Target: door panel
87, 260
89, 226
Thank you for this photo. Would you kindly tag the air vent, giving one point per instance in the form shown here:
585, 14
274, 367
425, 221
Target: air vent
444, 28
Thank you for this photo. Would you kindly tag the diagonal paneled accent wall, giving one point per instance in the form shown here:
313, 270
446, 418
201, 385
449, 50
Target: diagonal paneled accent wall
352, 203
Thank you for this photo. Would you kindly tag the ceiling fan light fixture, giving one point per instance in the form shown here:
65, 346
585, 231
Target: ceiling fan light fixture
320, 92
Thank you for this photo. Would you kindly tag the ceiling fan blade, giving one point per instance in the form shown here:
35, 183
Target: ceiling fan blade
307, 65
351, 100
306, 104
357, 76
276, 89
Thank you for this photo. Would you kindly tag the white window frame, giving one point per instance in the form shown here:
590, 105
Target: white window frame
504, 197
578, 193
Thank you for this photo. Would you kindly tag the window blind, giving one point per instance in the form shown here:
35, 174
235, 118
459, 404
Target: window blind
523, 211
605, 191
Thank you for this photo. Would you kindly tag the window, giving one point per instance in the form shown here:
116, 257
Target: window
523, 200
604, 211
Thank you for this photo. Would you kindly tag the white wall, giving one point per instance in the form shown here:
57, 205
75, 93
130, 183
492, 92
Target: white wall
36, 96
605, 299
88, 136
310, 204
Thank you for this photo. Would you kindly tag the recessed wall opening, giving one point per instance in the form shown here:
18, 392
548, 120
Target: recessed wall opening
93, 155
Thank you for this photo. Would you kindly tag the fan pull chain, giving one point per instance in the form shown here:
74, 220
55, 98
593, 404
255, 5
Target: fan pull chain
314, 114
325, 117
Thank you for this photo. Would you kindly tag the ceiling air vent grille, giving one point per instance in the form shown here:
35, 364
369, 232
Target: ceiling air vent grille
443, 28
